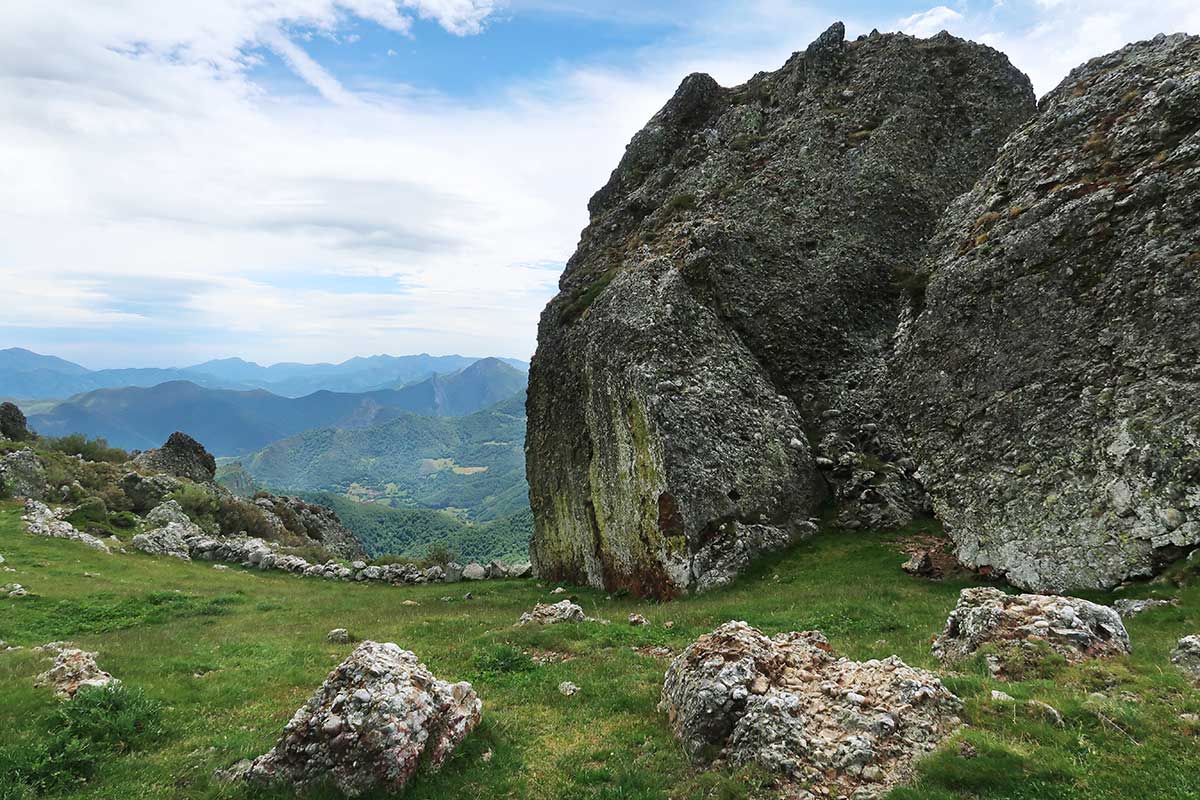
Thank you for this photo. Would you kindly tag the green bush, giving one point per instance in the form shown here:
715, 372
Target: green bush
440, 554
236, 516
116, 717
123, 519
201, 505
98, 723
92, 513
91, 449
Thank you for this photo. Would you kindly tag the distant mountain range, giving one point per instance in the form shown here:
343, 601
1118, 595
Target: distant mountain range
232, 422
25, 375
472, 464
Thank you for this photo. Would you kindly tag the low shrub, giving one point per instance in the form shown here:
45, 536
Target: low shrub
90, 449
201, 505
440, 555
238, 516
502, 658
91, 513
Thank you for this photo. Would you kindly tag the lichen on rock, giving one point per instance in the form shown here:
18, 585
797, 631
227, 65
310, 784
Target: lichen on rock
707, 376
791, 706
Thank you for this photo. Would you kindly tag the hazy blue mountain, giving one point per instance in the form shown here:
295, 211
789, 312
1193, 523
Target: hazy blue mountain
233, 422
473, 463
31, 376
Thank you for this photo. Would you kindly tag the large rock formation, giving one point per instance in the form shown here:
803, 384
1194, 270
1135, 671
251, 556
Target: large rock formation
706, 376
1050, 357
13, 426
22, 475
183, 457
318, 523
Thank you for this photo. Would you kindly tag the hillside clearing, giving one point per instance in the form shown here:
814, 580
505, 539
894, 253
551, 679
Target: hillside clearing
232, 654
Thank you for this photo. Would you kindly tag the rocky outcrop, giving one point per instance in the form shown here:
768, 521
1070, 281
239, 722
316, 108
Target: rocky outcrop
183, 457
1049, 359
22, 475
791, 706
707, 375
375, 720
988, 618
73, 670
13, 426
40, 520
318, 523
145, 492
1186, 656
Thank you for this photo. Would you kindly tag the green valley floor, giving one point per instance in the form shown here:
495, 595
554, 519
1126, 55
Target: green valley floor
231, 654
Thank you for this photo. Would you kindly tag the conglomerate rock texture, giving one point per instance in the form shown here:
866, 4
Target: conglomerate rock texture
1048, 365
707, 375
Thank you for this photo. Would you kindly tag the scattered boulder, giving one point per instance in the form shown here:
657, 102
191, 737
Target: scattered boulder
474, 572
547, 614
1047, 360
921, 565
1075, 629
291, 515
568, 689
454, 572
638, 619
41, 521
338, 636
73, 669
710, 372
183, 457
13, 590
1186, 656
376, 719
1131, 608
167, 512
558, 590
790, 705
148, 491
497, 569
13, 425
22, 475
174, 539
522, 569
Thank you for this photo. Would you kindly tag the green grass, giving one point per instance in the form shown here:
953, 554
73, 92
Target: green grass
231, 654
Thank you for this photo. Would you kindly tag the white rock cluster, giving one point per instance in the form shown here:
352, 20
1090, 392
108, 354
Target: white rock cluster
179, 537
1075, 629
40, 520
378, 717
789, 704
1186, 656
73, 669
552, 614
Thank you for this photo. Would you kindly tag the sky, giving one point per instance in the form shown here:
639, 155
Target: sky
309, 180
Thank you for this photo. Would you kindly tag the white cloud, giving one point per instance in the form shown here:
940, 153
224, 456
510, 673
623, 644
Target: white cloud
927, 23
136, 150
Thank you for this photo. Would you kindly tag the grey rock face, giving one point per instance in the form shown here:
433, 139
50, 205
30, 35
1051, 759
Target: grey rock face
146, 492
183, 457
22, 475
474, 572
73, 670
1186, 656
13, 426
377, 718
553, 614
1131, 608
291, 514
1075, 629
174, 539
789, 704
708, 373
1049, 359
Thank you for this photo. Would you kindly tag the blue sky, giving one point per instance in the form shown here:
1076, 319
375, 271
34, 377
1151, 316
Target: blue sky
317, 179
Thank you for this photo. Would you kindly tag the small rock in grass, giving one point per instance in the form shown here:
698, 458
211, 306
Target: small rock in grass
638, 619
338, 636
543, 614
410, 603
1186, 656
559, 590
74, 669
1001, 697
1131, 608
1050, 711
566, 688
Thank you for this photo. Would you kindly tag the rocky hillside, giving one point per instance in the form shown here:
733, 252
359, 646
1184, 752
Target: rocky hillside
705, 379
1048, 366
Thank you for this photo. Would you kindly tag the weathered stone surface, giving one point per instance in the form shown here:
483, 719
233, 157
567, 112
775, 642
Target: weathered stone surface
40, 520
1075, 629
338, 636
146, 492
22, 475
706, 376
377, 718
1049, 358
175, 539
1186, 656
474, 572
73, 669
293, 515
792, 706
546, 614
183, 457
